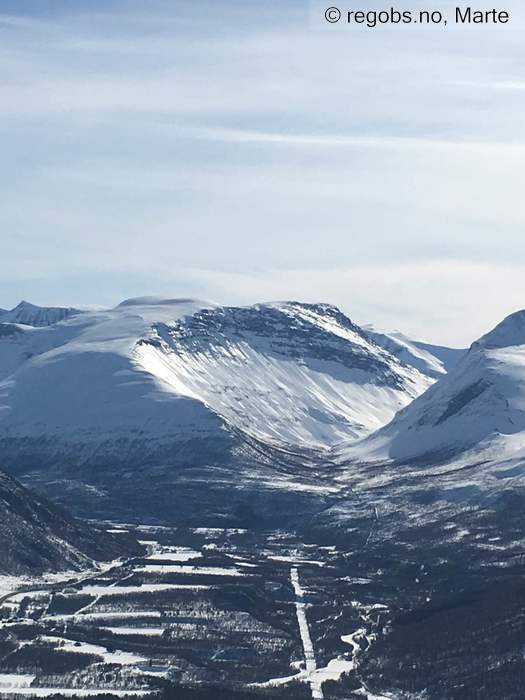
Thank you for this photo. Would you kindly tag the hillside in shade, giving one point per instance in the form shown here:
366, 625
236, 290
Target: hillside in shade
37, 536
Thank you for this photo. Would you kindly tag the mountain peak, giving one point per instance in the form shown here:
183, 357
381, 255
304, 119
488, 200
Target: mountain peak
29, 314
24, 305
509, 333
477, 405
158, 373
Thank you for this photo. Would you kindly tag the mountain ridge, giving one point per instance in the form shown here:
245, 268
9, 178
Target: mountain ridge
177, 350
430, 359
479, 405
38, 536
29, 314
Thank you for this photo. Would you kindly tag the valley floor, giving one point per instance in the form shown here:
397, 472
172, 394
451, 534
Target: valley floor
207, 608
362, 604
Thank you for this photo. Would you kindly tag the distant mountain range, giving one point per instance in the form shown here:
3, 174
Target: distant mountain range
37, 316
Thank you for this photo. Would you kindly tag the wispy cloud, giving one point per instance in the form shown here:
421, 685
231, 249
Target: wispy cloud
367, 141
511, 85
177, 146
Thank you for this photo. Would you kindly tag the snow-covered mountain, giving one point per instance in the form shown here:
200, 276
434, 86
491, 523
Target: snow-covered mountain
167, 405
478, 407
287, 372
36, 536
432, 360
73, 393
130, 383
38, 316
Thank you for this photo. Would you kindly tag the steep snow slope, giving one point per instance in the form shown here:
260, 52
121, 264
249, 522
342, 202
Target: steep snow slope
129, 383
39, 316
287, 372
479, 406
432, 360
36, 536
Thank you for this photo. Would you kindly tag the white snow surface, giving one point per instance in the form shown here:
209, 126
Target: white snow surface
262, 369
122, 658
141, 631
73, 692
174, 554
142, 371
11, 583
430, 359
476, 411
103, 591
190, 570
14, 680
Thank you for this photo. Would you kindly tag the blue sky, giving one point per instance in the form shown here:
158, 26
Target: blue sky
244, 151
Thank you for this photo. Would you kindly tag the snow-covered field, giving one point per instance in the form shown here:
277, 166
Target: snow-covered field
151, 615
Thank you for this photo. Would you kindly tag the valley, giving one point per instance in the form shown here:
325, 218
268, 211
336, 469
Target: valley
276, 503
332, 610
204, 608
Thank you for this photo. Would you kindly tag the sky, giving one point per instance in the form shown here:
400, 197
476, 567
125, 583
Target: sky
242, 151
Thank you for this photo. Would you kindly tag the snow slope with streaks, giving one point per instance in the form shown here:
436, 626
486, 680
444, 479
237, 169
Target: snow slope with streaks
156, 378
291, 372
